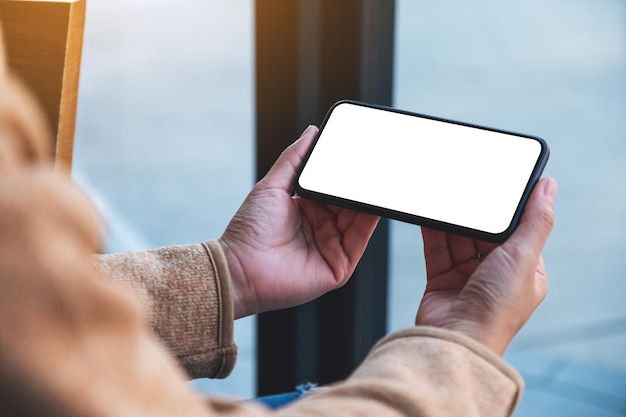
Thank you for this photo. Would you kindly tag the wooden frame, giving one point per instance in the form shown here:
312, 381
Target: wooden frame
309, 54
43, 41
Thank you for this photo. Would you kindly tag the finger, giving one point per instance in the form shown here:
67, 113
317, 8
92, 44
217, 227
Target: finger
283, 172
462, 249
357, 229
485, 248
436, 252
537, 220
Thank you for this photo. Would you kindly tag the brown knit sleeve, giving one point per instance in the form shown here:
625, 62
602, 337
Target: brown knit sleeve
421, 371
187, 292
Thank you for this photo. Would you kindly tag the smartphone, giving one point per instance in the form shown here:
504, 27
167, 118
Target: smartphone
443, 174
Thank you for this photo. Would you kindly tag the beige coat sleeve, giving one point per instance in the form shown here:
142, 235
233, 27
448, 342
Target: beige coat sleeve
421, 371
418, 372
187, 292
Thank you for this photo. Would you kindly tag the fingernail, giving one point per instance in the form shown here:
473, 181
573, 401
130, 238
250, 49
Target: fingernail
307, 130
550, 187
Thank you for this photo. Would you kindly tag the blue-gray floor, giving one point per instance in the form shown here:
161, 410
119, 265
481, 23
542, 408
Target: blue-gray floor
165, 144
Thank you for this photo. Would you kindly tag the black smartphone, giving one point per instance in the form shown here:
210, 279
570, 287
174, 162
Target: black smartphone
448, 175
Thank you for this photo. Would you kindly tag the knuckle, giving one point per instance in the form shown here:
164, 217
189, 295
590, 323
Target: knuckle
546, 217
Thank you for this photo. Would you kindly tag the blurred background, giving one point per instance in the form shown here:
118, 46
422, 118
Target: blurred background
165, 145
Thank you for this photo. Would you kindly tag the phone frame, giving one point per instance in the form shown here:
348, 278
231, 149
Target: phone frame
419, 220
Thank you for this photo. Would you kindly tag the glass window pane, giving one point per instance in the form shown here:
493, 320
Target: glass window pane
556, 69
165, 127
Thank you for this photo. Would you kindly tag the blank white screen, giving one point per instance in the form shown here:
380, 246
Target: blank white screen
461, 175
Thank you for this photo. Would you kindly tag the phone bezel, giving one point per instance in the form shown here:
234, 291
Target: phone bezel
424, 221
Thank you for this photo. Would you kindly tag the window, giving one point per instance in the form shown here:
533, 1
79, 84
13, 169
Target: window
556, 69
164, 137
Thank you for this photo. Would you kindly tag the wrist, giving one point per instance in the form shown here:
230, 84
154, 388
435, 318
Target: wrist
494, 337
239, 286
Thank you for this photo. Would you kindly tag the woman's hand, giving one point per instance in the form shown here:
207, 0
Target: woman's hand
484, 290
283, 250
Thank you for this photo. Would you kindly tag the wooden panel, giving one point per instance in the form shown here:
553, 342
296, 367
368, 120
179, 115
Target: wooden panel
43, 42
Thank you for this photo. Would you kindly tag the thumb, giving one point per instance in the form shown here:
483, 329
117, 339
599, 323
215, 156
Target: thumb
538, 218
283, 172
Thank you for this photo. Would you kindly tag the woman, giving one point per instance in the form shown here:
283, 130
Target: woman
99, 335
